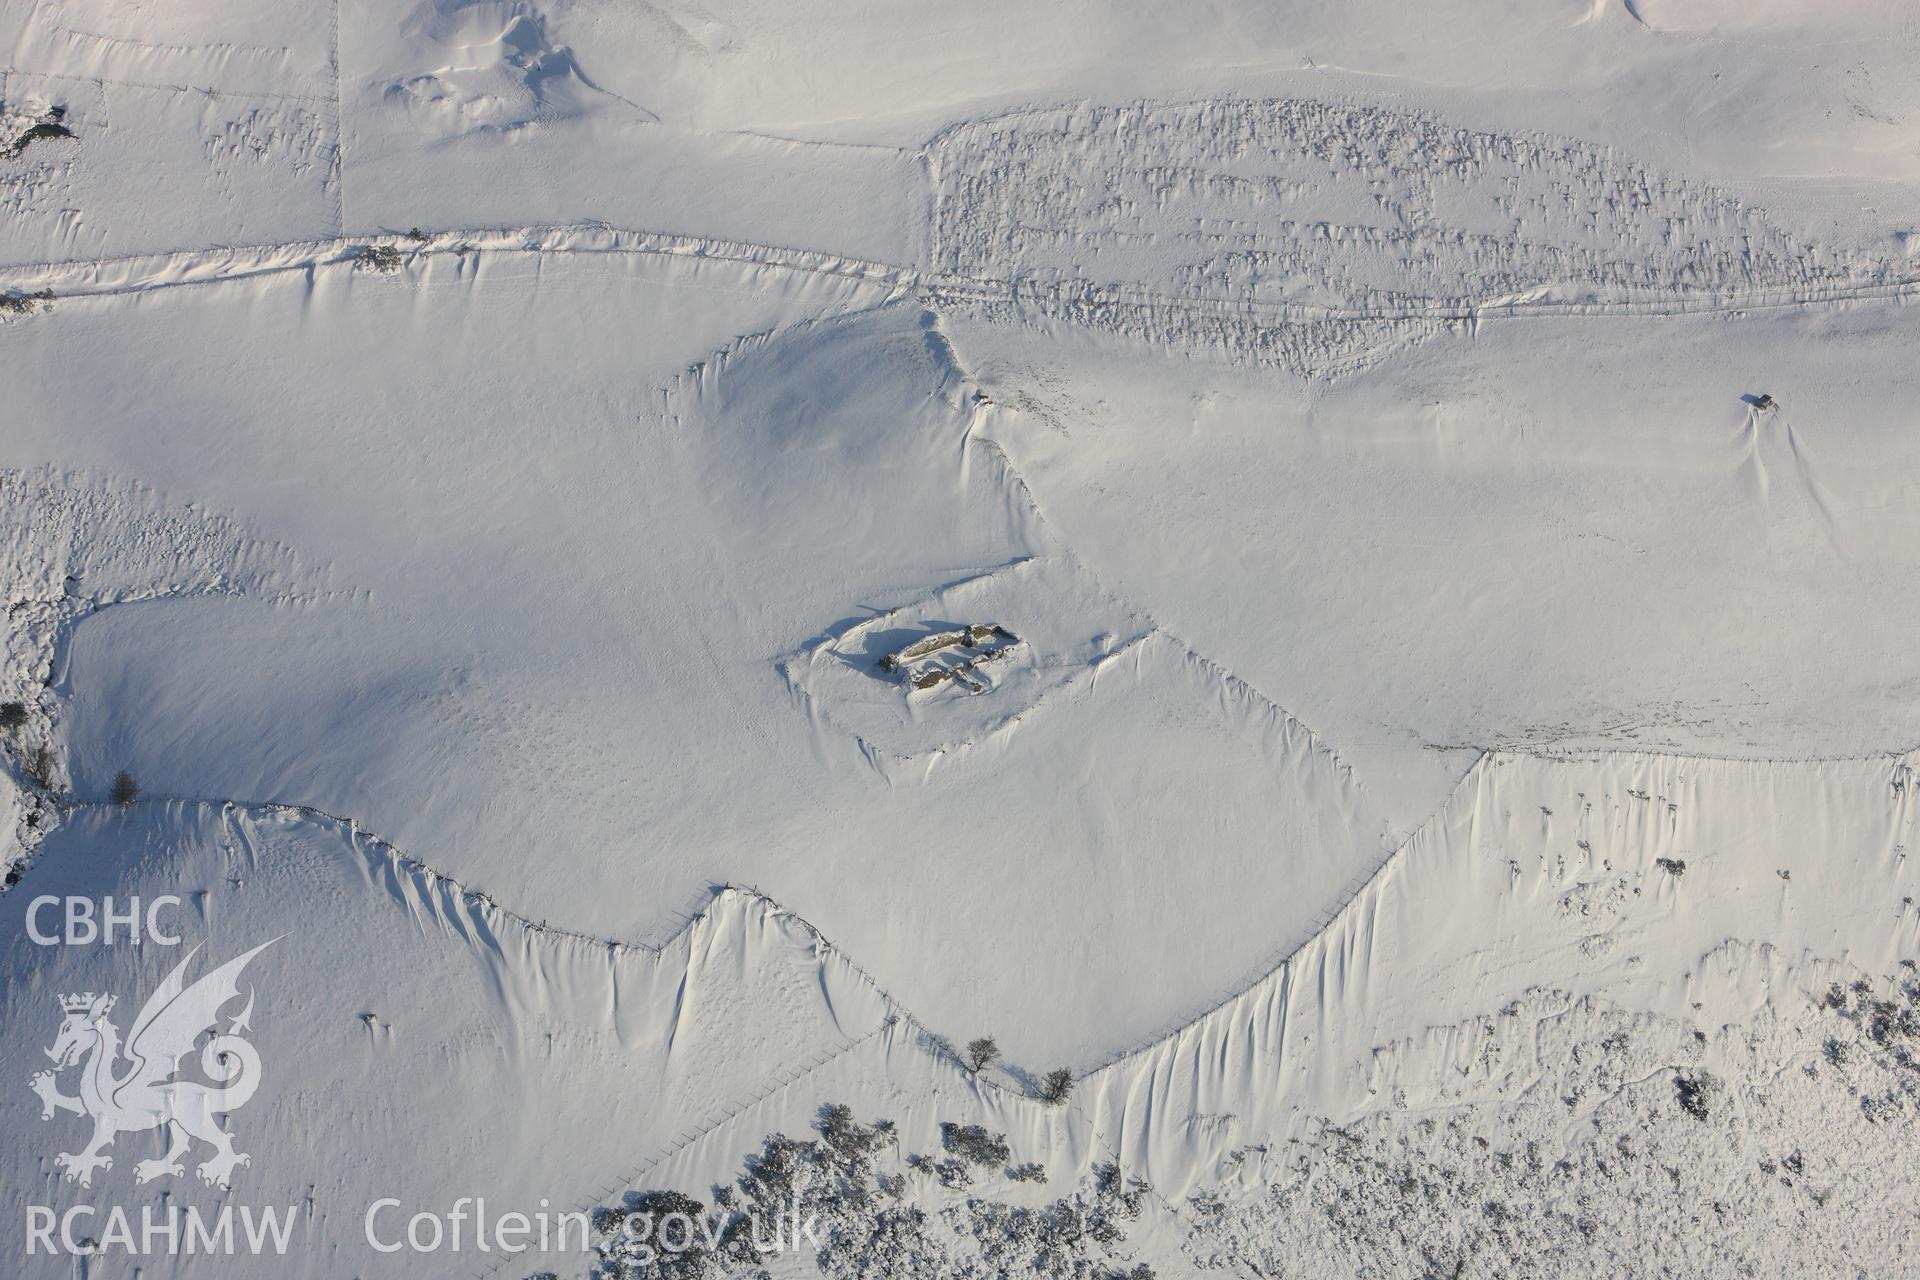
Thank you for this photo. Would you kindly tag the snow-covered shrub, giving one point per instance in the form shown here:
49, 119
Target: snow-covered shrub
972, 1143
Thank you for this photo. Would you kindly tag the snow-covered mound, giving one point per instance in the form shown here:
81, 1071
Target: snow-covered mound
502, 71
885, 678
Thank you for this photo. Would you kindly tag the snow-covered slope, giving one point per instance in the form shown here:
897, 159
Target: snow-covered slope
1341, 574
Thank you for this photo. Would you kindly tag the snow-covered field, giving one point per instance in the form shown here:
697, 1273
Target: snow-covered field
623, 580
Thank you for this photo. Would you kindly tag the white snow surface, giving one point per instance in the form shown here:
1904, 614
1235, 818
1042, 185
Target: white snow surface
1450, 468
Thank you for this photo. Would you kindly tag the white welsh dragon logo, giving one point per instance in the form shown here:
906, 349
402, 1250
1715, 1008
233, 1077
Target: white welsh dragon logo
145, 1095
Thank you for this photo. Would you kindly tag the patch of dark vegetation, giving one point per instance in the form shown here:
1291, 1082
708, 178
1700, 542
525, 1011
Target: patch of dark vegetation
49, 126
1889, 1023
865, 1222
125, 790
981, 1054
1761, 1167
1674, 867
384, 258
12, 715
39, 765
1696, 1091
972, 1143
1883, 1108
15, 303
